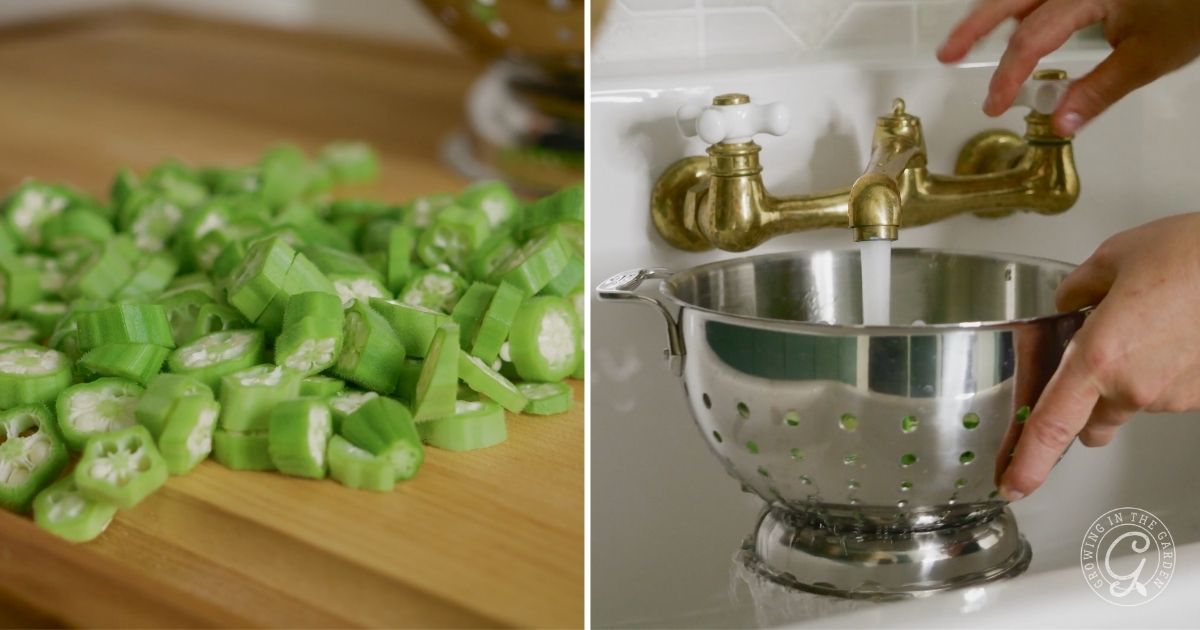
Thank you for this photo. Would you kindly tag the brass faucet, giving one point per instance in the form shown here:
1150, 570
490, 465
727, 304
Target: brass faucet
720, 200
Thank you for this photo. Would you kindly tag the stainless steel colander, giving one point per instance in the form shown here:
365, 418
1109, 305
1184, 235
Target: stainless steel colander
875, 447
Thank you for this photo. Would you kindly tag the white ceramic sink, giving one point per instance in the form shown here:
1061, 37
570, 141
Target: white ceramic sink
666, 520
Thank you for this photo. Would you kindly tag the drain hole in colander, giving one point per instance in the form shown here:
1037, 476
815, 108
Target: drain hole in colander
717, 436
707, 401
905, 486
743, 410
971, 420
792, 419
752, 447
960, 482
849, 422
908, 459
797, 454
967, 457
909, 424
850, 459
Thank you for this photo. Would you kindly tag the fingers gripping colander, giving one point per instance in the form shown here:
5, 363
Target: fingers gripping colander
875, 447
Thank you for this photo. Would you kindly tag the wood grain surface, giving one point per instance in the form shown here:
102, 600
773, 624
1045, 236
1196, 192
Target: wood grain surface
489, 538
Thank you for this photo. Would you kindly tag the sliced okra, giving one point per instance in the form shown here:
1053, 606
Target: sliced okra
469, 311
284, 174
153, 275
349, 162
103, 274
481, 378
30, 206
370, 350
43, 316
433, 289
414, 325
547, 399
421, 211
534, 265
354, 467
242, 451
102, 406
474, 425
65, 511
399, 257
52, 272
214, 355
19, 284
152, 219
454, 234
496, 322
74, 228
138, 362
568, 282
121, 468
125, 323
154, 407
361, 288
321, 386
347, 402
332, 261
32, 454
248, 396
299, 435
312, 304
437, 386
408, 373
302, 277
18, 330
546, 339
494, 198
182, 309
309, 346
259, 277
488, 257
384, 427
178, 182
565, 205
187, 435
212, 318
32, 375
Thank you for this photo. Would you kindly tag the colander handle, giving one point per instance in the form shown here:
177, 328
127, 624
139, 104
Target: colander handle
623, 286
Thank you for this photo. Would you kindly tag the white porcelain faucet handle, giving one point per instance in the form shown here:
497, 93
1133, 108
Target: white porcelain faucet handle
732, 119
1043, 92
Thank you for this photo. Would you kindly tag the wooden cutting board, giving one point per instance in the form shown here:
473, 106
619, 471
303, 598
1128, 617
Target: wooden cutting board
490, 538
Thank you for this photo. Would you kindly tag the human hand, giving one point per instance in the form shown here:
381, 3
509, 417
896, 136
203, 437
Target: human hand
1150, 38
1138, 350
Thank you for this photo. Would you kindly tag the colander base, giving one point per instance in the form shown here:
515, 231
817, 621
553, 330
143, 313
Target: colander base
797, 553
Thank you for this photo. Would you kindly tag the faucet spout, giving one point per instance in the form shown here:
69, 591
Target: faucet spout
876, 198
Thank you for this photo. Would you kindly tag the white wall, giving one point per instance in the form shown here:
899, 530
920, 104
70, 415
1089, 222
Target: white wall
386, 19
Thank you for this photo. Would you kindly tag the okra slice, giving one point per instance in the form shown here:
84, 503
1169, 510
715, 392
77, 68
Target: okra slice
19, 284
259, 277
187, 436
178, 182
248, 396
154, 407
43, 316
483, 379
302, 277
546, 339
182, 309
408, 373
370, 350
18, 330
32, 375
125, 323
30, 206
298, 437
349, 162
547, 399
565, 205
313, 305
138, 362
496, 322
355, 468
568, 282
77, 227
332, 261
321, 386
242, 451
494, 198
399, 257
121, 468
455, 233
311, 345
413, 325
105, 271
437, 386
361, 288
212, 318
102, 406
474, 425
153, 275
152, 219
469, 311
484, 261
65, 511
534, 265
284, 174
420, 211
435, 289
347, 402
384, 427
214, 355
32, 454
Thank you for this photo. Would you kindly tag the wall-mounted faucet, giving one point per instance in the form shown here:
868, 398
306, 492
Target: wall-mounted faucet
719, 201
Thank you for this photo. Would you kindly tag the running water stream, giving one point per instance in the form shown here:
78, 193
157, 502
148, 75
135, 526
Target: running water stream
876, 263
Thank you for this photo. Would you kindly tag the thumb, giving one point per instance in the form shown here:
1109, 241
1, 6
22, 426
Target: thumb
1130, 66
